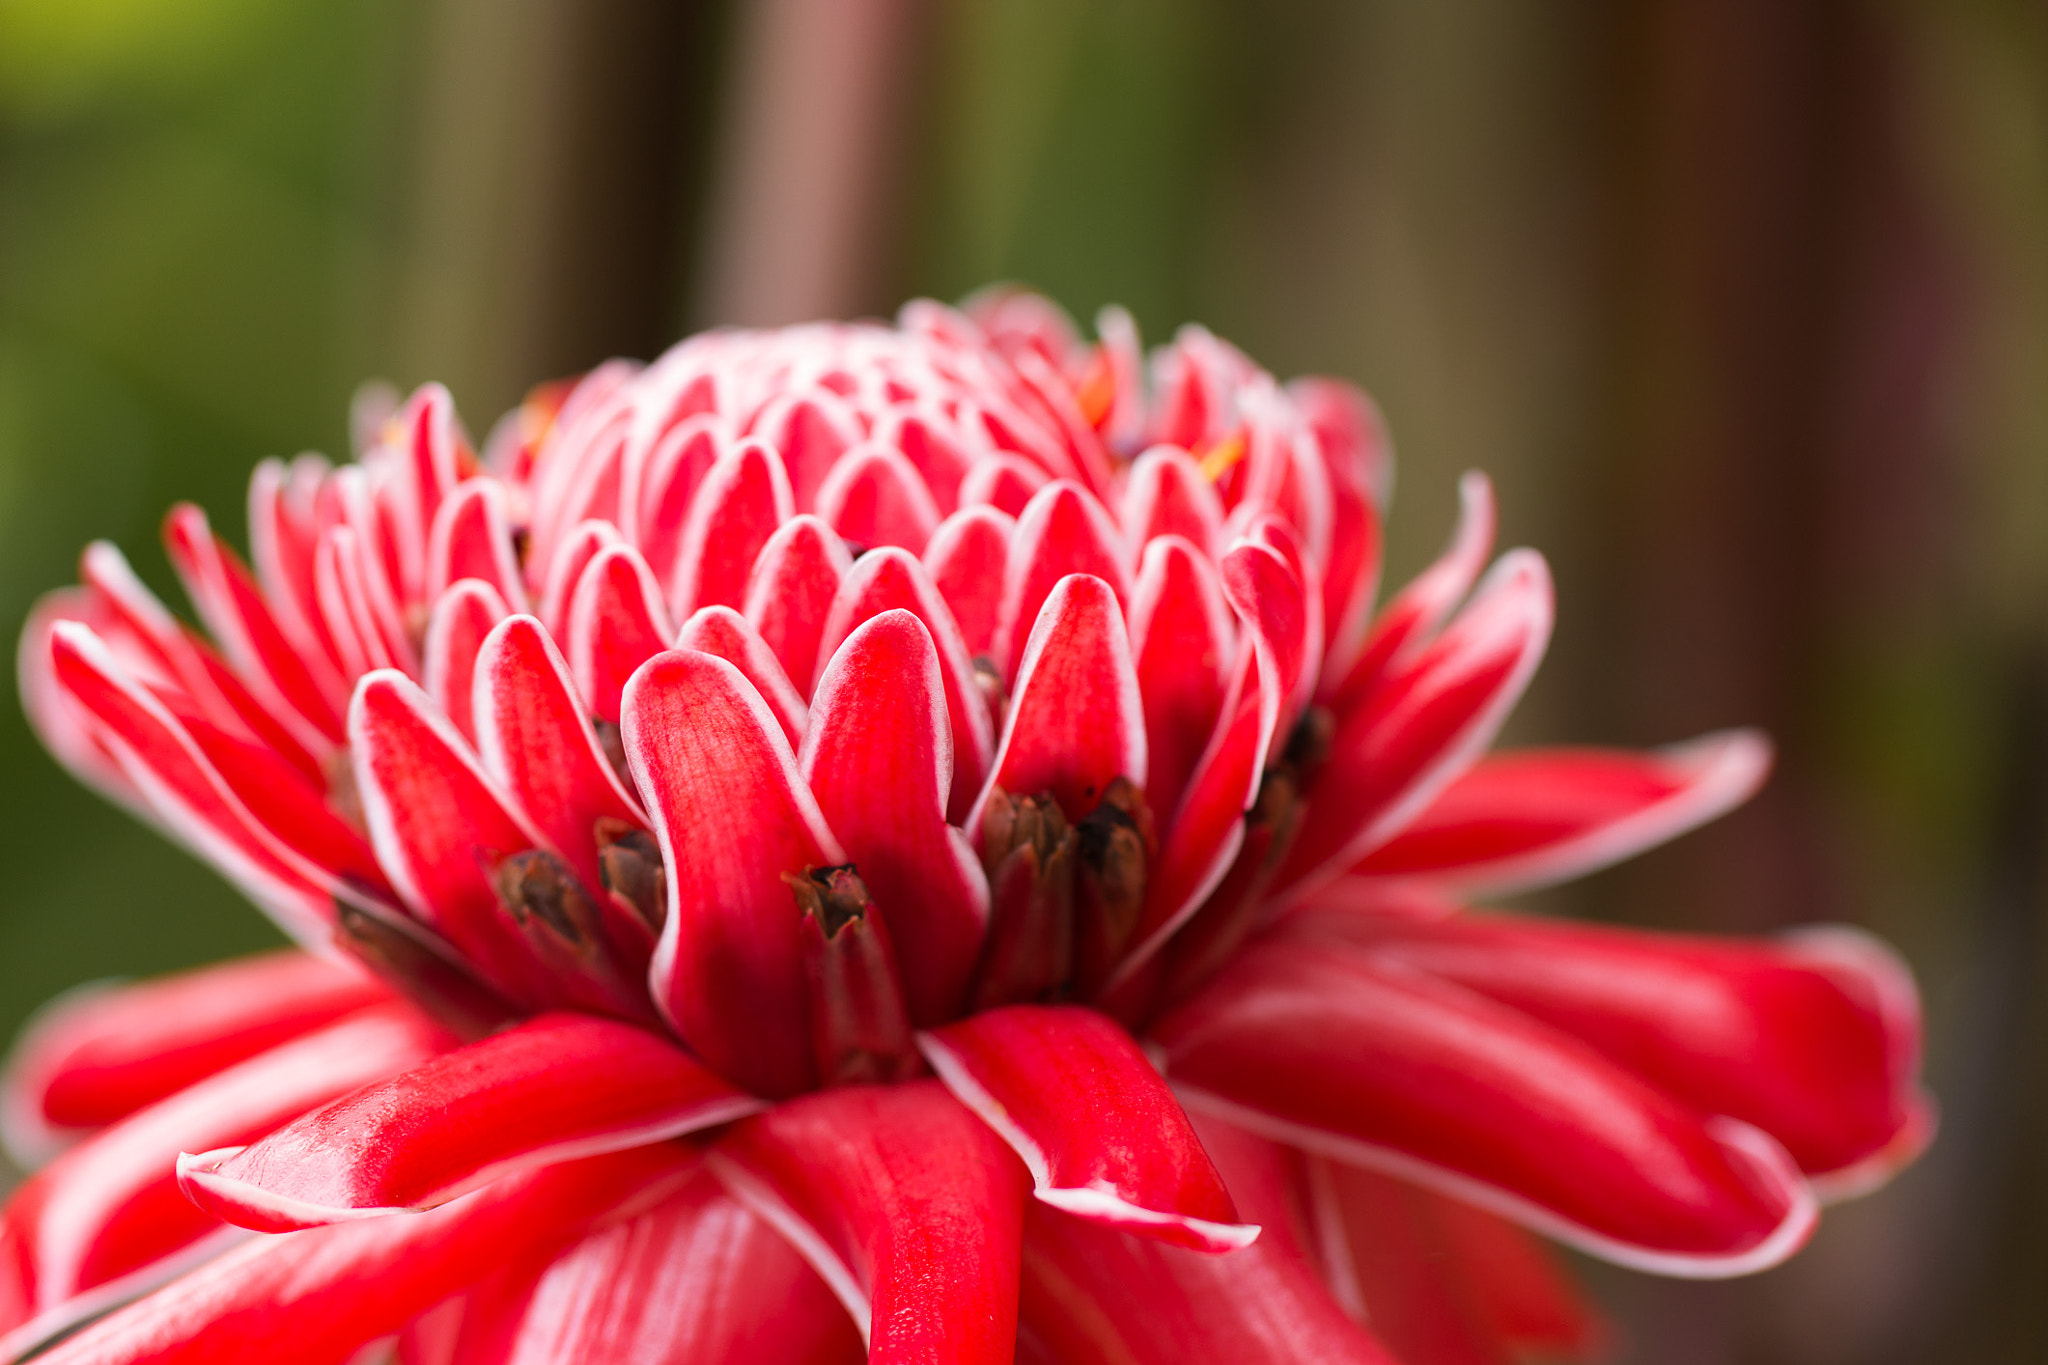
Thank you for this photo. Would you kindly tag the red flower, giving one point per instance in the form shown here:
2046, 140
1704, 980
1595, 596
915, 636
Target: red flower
914, 763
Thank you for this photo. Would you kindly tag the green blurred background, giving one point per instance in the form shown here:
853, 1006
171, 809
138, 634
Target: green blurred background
1743, 302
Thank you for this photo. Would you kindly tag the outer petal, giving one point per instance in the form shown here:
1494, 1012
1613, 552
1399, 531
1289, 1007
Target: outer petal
555, 1087
1091, 1119
1814, 1039
794, 581
968, 557
1411, 736
1418, 609
616, 622
734, 819
1076, 723
98, 1054
908, 1207
329, 1291
1532, 818
1182, 642
889, 579
105, 1220
697, 1280
879, 760
1317, 1045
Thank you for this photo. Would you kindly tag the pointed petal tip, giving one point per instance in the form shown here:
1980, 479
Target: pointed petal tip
245, 1204
1099, 1203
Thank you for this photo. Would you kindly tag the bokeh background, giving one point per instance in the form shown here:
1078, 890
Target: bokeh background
1744, 303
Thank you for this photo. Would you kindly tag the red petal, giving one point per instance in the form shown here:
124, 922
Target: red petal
555, 1087
1523, 819
874, 496
795, 579
1002, 483
697, 1280
906, 1205
1520, 1290
96, 1055
1815, 1039
878, 758
810, 431
674, 471
968, 557
1091, 1119
1388, 1068
183, 789
1183, 643
1418, 609
888, 580
743, 499
616, 622
534, 737
734, 819
1413, 734
105, 1220
724, 632
233, 608
1076, 723
1063, 531
440, 825
564, 570
1168, 495
284, 536
472, 540
331, 1290
932, 445
462, 617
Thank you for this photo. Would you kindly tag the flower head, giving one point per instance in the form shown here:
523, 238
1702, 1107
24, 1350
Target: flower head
847, 821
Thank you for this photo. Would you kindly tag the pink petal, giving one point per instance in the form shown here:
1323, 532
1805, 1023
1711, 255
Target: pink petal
233, 608
329, 1291
1408, 621
1270, 586
932, 445
284, 536
1076, 723
616, 621
795, 579
105, 1220
1002, 483
1063, 531
93, 1056
1531, 818
65, 728
462, 617
734, 819
878, 758
535, 739
440, 826
743, 499
968, 558
471, 539
1168, 495
697, 1280
1182, 641
1413, 734
725, 633
1815, 1039
889, 580
560, 574
874, 496
674, 470
1318, 1046
555, 1087
1519, 1289
810, 431
908, 1207
1091, 1119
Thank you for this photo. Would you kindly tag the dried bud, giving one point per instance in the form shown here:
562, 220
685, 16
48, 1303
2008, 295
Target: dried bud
989, 679
537, 885
1115, 847
613, 742
629, 861
860, 1028
1030, 851
403, 955
1308, 744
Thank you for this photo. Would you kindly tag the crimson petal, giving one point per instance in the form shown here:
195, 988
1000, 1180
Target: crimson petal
795, 579
968, 557
904, 1202
1539, 816
734, 819
1318, 1045
723, 632
555, 1087
1062, 531
878, 758
616, 622
329, 1291
1182, 641
743, 499
1091, 1119
874, 496
462, 617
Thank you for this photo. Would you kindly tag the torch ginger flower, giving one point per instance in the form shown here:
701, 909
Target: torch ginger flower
910, 833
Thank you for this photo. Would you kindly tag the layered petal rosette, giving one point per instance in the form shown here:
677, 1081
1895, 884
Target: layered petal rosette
921, 840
